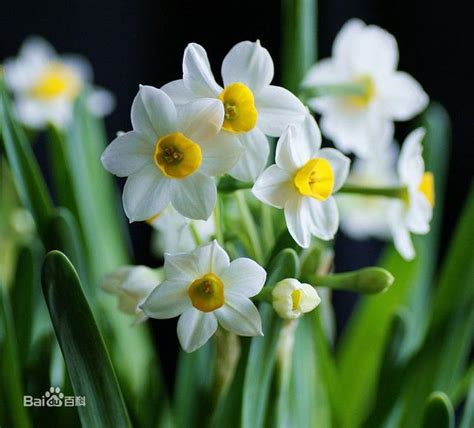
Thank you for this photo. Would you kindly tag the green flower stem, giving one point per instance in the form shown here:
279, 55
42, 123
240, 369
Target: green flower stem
390, 192
334, 90
218, 221
228, 184
267, 227
369, 280
265, 294
250, 227
195, 234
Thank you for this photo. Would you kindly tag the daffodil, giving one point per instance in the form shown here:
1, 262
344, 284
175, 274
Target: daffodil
368, 56
303, 182
132, 285
45, 85
253, 108
412, 213
175, 233
171, 155
206, 289
291, 298
362, 216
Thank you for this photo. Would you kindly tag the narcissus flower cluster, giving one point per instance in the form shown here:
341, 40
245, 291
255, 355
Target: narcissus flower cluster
190, 133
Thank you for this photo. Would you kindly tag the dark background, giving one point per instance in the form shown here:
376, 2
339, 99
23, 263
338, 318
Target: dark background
132, 42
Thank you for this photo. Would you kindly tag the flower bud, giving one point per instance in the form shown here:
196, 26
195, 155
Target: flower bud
291, 298
132, 285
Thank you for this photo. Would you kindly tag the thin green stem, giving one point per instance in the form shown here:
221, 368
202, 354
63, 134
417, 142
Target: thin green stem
218, 222
250, 227
390, 192
267, 226
195, 234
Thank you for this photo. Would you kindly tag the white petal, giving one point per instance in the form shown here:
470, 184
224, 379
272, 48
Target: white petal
195, 328
80, 65
298, 220
127, 154
248, 63
153, 113
345, 39
274, 187
400, 233
322, 73
298, 144
244, 276
220, 153
195, 196
324, 217
374, 52
100, 102
168, 300
201, 119
197, 73
277, 108
181, 266
410, 163
419, 213
240, 316
401, 96
254, 155
146, 193
211, 258
340, 165
178, 92
311, 298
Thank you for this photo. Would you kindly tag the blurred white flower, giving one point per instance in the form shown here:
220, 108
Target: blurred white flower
132, 285
303, 181
291, 298
174, 234
206, 289
45, 85
253, 107
364, 217
171, 155
413, 214
368, 55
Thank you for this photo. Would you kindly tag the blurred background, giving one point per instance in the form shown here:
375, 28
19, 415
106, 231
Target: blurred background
142, 41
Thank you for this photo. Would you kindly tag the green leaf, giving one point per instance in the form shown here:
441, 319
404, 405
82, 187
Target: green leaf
370, 322
438, 412
12, 411
87, 360
299, 40
30, 184
467, 420
261, 357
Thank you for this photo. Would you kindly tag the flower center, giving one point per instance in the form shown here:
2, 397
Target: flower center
177, 156
239, 108
361, 101
427, 187
315, 179
56, 80
207, 293
295, 299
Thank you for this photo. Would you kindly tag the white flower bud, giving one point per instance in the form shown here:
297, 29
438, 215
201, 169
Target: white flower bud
291, 298
132, 285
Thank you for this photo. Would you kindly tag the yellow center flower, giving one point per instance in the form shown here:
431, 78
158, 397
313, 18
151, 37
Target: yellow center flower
152, 219
207, 293
361, 101
296, 299
427, 187
239, 107
315, 179
57, 80
177, 156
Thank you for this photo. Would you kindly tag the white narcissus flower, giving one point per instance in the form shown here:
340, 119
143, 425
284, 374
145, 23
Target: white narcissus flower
413, 214
303, 181
291, 298
206, 289
171, 156
368, 55
253, 107
45, 85
132, 285
364, 217
174, 232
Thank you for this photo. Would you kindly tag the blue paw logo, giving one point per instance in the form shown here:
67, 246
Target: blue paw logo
54, 397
